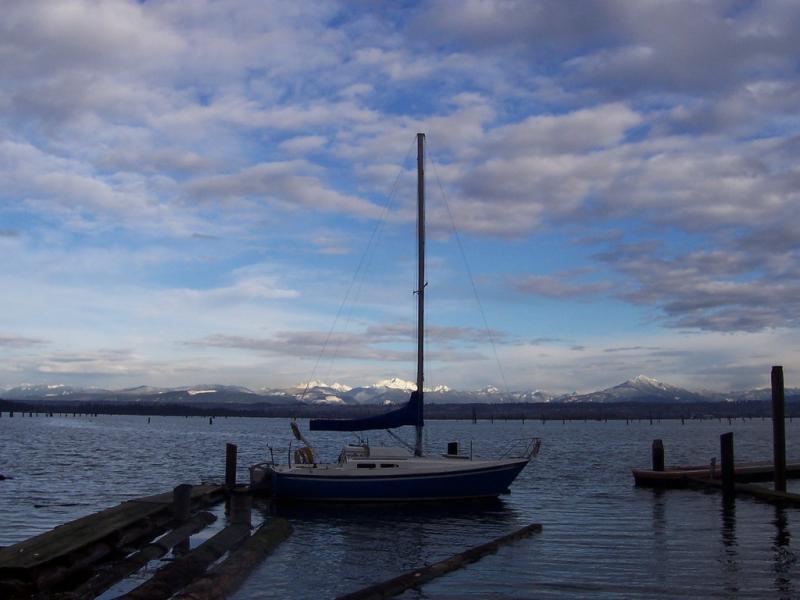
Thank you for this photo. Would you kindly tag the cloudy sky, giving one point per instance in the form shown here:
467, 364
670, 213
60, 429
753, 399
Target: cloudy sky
197, 191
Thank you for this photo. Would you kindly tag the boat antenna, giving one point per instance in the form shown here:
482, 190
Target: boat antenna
421, 283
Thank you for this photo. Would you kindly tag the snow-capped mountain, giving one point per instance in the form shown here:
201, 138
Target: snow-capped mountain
338, 387
383, 392
29, 390
395, 383
640, 389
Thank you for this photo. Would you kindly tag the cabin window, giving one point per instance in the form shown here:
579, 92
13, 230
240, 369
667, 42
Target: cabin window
388, 465
365, 465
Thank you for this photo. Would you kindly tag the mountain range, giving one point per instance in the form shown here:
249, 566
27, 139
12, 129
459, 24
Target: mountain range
388, 391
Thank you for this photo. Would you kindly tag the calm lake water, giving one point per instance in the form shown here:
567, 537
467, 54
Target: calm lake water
602, 537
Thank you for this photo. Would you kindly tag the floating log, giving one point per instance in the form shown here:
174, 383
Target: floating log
756, 491
106, 578
225, 579
175, 576
413, 579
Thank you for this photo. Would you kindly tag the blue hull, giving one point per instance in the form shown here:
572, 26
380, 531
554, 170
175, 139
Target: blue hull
483, 482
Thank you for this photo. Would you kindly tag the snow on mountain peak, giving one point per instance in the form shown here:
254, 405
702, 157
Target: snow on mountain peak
648, 381
339, 387
395, 383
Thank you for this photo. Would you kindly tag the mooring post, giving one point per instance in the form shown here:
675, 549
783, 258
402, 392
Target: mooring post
726, 462
778, 430
182, 502
230, 466
658, 455
241, 504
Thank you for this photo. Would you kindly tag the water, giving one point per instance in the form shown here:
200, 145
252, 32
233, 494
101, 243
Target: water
602, 537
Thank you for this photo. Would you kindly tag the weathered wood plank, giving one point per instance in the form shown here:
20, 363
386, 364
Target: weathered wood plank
226, 578
173, 577
756, 491
104, 579
71, 537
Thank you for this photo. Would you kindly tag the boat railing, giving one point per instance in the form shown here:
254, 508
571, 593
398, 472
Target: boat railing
523, 448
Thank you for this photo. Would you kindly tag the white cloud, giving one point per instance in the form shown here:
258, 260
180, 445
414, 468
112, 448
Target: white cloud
303, 144
138, 139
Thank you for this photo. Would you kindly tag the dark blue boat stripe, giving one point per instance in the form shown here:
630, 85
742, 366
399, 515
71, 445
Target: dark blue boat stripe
387, 478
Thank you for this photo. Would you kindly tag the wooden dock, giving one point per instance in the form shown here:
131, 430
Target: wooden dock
681, 477
46, 561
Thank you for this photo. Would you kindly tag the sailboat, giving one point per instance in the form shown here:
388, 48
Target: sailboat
386, 473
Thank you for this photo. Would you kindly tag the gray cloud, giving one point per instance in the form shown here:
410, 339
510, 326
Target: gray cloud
373, 343
9, 340
720, 290
559, 286
630, 47
284, 183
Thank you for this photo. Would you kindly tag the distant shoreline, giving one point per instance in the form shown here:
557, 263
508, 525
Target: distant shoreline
480, 411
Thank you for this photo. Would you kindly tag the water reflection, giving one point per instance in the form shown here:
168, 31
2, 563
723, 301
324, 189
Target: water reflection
784, 558
730, 544
360, 544
660, 542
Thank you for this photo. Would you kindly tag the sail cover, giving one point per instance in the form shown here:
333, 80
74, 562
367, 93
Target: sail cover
410, 414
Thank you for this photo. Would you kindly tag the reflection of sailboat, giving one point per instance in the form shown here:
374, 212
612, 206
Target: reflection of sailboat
368, 473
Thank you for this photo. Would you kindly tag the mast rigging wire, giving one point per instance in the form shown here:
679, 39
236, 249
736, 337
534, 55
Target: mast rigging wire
471, 278
361, 264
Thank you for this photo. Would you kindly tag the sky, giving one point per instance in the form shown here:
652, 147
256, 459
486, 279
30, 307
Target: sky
223, 192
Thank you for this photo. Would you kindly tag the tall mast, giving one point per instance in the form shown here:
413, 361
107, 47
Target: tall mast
420, 281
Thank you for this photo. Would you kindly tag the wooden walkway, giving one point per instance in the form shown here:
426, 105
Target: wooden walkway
678, 477
46, 559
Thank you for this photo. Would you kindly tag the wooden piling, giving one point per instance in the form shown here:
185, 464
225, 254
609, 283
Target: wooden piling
726, 463
230, 466
182, 502
658, 455
415, 578
778, 429
241, 504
